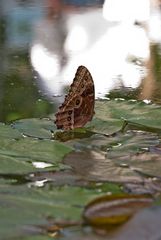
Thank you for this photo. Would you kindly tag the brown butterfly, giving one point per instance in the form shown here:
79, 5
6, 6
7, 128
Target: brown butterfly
78, 106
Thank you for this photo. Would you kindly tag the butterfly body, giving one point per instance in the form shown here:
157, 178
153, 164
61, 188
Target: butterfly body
78, 106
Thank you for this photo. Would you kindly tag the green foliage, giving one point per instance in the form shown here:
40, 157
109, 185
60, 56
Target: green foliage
43, 178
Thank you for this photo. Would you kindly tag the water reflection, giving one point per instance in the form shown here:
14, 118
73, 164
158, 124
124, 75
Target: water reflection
47, 53
113, 43
119, 41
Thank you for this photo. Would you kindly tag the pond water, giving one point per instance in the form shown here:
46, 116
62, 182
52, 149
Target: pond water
43, 42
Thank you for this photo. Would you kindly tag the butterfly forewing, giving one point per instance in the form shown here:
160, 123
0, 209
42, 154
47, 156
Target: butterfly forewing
78, 106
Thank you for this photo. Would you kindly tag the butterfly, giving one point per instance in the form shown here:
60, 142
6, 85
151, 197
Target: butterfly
78, 106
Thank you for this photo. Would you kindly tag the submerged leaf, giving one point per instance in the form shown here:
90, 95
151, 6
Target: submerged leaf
96, 166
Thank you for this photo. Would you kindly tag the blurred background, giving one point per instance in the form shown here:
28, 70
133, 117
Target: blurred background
42, 42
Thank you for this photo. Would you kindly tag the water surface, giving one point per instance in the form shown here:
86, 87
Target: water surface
43, 42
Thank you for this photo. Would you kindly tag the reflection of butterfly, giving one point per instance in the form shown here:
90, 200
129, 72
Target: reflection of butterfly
78, 106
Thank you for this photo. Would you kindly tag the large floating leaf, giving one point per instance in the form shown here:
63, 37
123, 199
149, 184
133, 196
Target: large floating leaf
109, 118
8, 132
110, 115
38, 128
146, 163
19, 156
120, 157
137, 151
117, 158
26, 210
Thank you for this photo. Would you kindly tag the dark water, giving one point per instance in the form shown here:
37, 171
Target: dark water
43, 42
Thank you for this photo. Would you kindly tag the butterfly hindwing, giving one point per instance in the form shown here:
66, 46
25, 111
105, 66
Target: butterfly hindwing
78, 106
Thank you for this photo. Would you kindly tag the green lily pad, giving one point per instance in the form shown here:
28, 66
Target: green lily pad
107, 126
27, 145
146, 163
7, 132
19, 156
134, 152
110, 115
23, 208
38, 128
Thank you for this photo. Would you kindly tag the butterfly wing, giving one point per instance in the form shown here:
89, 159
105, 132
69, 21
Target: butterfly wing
78, 106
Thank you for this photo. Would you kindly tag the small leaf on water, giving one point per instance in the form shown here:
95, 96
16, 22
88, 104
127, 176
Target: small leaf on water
111, 210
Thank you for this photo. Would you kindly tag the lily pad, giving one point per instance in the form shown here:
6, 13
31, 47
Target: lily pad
146, 163
134, 152
110, 115
94, 166
38, 128
23, 208
97, 158
107, 126
7, 132
19, 156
